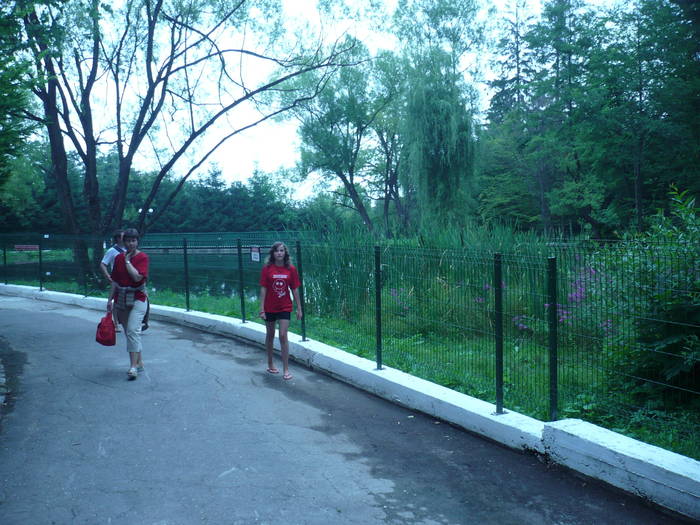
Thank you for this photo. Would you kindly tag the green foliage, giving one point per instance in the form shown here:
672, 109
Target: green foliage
450, 25
595, 113
438, 153
209, 205
668, 331
439, 141
335, 126
28, 200
502, 164
14, 94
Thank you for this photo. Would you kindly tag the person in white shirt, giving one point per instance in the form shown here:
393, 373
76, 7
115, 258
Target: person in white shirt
114, 250
108, 261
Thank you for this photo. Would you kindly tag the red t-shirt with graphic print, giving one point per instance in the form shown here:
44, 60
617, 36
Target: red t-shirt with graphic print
279, 281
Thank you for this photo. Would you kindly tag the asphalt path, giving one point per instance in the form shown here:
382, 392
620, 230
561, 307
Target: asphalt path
205, 435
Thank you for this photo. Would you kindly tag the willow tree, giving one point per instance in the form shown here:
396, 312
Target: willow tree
439, 141
166, 80
441, 39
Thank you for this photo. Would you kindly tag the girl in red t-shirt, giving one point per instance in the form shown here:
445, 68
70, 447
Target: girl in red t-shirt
277, 278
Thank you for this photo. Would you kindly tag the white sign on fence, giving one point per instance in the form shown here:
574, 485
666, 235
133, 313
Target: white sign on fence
255, 253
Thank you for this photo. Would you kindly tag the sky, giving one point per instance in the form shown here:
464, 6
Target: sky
272, 146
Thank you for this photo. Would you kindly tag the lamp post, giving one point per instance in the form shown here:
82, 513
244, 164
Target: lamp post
148, 212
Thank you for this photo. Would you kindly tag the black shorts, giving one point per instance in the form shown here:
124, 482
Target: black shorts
271, 317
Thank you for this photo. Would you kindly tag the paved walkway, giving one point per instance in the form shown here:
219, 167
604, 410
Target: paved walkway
205, 435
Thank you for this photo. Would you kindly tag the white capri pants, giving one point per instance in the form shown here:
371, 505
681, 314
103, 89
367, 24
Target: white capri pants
131, 319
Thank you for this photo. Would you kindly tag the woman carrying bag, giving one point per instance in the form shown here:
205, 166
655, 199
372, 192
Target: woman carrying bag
129, 297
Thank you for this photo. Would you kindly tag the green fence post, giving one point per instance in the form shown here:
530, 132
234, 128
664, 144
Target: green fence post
301, 292
187, 274
378, 303
4, 261
552, 343
498, 296
41, 270
241, 286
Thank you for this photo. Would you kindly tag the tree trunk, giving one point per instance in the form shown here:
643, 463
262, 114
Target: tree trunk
356, 200
542, 188
638, 185
59, 159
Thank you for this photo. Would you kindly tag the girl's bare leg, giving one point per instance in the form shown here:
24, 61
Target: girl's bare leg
269, 341
284, 346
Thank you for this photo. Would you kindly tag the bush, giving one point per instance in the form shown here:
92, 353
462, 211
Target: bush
660, 366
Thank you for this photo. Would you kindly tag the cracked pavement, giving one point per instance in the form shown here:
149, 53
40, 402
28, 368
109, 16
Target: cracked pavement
205, 435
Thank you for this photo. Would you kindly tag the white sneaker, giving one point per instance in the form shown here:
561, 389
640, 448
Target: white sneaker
132, 373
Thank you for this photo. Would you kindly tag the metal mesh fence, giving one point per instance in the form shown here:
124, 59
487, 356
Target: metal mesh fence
437, 320
619, 341
338, 290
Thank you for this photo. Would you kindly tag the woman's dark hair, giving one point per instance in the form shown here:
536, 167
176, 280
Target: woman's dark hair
131, 233
271, 255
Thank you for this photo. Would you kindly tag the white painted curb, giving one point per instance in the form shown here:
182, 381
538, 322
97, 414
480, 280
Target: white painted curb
663, 477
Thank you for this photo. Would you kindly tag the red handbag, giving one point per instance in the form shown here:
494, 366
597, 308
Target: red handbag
106, 334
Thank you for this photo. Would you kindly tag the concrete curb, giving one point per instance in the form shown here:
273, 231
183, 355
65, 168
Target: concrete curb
660, 476
666, 478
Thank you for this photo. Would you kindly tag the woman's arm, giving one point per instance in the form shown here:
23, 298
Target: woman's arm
133, 272
112, 293
263, 293
297, 301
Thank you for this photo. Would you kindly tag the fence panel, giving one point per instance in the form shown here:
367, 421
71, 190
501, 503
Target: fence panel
438, 317
339, 294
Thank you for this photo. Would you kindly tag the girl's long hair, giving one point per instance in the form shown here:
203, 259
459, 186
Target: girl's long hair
271, 255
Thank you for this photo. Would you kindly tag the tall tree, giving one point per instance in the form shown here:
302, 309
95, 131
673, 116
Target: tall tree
450, 25
514, 63
438, 129
656, 101
335, 128
561, 43
184, 77
502, 162
390, 75
439, 140
611, 116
